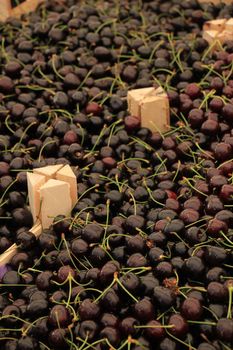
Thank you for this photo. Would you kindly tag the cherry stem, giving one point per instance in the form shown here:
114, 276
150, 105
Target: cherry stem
202, 322
106, 290
181, 341
226, 238
158, 326
229, 312
123, 287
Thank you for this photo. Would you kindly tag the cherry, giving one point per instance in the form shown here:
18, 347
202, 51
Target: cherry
215, 256
195, 235
179, 325
112, 334
11, 313
47, 241
58, 296
70, 137
43, 280
92, 233
107, 272
209, 127
214, 205
191, 309
110, 301
130, 281
134, 222
22, 217
79, 247
164, 297
226, 193
192, 90
196, 117
132, 123
215, 274
26, 240
109, 320
11, 277
155, 330
227, 112
86, 330
215, 226
127, 326
64, 272
77, 292
15, 198
164, 269
57, 338
88, 310
216, 104
6, 84
93, 108
224, 329
194, 267
27, 343
59, 316
217, 181
93, 274
217, 292
223, 151
37, 307
189, 216
144, 310
136, 260
148, 283
167, 344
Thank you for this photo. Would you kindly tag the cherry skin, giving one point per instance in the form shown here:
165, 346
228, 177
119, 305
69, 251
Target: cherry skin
179, 325
155, 330
192, 309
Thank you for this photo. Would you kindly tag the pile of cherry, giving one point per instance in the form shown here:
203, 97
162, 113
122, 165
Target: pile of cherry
145, 261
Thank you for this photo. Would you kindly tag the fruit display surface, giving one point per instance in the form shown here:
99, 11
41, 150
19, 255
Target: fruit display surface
145, 260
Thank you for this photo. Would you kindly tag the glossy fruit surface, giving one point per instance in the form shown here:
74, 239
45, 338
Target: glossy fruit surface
144, 258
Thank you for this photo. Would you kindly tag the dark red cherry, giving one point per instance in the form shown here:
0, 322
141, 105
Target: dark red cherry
57, 338
154, 330
59, 316
88, 310
191, 309
64, 273
226, 193
179, 325
127, 326
217, 292
144, 310
224, 329
112, 334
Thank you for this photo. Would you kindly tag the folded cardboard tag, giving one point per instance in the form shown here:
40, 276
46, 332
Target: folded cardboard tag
52, 191
55, 200
151, 105
218, 31
7, 10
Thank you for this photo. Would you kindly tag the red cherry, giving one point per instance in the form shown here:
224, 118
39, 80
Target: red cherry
226, 193
171, 194
93, 108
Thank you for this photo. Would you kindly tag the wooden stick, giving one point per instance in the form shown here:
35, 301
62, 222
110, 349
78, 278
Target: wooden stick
6, 257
